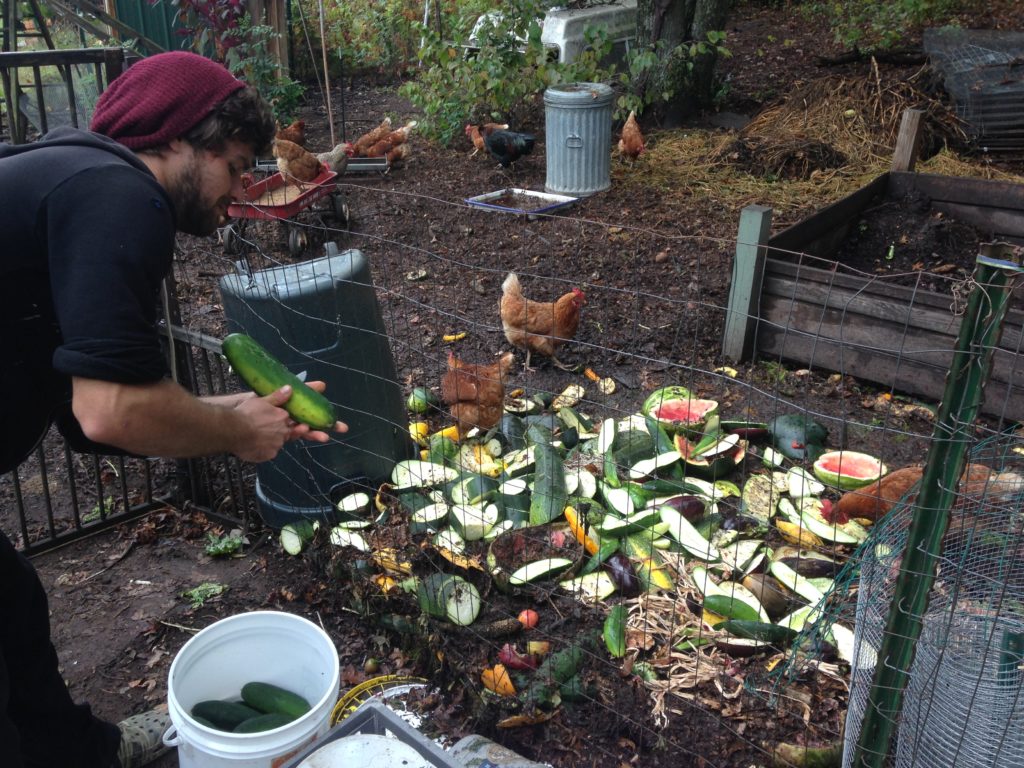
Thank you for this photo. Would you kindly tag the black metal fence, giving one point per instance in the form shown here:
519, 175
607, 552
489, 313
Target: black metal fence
58, 495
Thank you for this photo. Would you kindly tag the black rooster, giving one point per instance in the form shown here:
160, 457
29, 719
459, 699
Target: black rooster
508, 146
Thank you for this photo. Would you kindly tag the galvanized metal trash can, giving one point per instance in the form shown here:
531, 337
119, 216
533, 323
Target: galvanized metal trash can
322, 317
578, 138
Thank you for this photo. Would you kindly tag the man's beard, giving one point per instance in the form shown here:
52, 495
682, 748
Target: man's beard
192, 214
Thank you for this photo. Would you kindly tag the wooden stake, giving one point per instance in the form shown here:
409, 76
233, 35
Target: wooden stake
908, 141
327, 75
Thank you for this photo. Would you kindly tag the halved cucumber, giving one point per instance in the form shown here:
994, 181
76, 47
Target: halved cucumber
451, 597
414, 473
539, 570
682, 530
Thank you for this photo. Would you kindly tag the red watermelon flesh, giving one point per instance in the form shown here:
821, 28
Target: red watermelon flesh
684, 411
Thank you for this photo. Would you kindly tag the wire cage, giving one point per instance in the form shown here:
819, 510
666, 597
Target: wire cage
963, 704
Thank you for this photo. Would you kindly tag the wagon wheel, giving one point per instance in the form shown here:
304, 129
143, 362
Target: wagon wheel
297, 240
340, 208
231, 237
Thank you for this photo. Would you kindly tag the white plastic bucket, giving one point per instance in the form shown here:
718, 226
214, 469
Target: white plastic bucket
265, 646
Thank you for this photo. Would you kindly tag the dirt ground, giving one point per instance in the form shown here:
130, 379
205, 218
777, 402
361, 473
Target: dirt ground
119, 616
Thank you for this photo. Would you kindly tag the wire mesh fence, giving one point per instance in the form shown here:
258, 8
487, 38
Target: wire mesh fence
657, 503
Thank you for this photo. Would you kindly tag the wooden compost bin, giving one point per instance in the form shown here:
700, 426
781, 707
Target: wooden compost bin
789, 298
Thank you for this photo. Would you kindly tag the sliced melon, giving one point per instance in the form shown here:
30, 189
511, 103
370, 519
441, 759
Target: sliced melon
714, 460
676, 409
848, 470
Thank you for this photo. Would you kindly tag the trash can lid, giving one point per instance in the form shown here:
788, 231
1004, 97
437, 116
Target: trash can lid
578, 95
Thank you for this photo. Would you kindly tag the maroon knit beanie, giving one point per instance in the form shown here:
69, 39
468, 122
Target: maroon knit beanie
161, 98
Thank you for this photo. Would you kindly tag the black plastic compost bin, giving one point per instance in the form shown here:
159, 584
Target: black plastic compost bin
322, 317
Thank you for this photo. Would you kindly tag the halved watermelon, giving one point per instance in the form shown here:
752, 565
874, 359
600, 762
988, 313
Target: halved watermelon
848, 470
676, 409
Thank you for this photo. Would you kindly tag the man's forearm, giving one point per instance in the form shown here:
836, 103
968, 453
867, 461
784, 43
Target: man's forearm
159, 419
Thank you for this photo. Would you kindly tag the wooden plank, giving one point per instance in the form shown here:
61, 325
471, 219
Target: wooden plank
853, 281
821, 233
865, 307
738, 339
912, 360
957, 189
908, 141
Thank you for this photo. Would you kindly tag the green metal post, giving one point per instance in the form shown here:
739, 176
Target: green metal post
972, 358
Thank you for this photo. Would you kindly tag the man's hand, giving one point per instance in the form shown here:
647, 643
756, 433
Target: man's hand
274, 426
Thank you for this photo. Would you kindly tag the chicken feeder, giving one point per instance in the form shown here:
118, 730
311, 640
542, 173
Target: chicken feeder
321, 317
578, 138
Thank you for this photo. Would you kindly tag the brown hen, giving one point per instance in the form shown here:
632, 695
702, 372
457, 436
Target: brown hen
390, 140
475, 394
537, 326
476, 134
879, 498
631, 141
296, 132
371, 137
296, 164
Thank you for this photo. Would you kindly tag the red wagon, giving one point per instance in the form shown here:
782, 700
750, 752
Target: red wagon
274, 199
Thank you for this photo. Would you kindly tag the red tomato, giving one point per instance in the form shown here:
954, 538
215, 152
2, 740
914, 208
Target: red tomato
528, 618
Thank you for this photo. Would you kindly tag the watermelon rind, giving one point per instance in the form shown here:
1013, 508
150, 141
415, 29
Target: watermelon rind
667, 398
848, 470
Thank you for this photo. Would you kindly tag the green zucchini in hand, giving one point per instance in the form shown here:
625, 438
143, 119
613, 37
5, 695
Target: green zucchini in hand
269, 699
265, 374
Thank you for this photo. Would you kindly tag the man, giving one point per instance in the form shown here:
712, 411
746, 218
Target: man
88, 221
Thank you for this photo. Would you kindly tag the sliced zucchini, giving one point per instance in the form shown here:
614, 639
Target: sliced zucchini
414, 473
618, 500
682, 530
649, 467
539, 570
429, 518
451, 597
803, 483
590, 587
450, 540
472, 522
795, 582
295, 536
343, 537
354, 503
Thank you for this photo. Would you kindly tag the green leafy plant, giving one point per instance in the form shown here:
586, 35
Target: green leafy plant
224, 546
197, 596
223, 31
498, 77
865, 23
655, 75
100, 510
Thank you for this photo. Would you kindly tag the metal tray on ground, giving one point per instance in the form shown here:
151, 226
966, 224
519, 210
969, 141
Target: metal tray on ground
367, 165
374, 717
521, 201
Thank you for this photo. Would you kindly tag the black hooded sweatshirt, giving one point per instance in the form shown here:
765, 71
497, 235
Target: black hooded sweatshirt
86, 236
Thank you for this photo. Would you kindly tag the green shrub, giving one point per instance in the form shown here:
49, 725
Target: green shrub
871, 24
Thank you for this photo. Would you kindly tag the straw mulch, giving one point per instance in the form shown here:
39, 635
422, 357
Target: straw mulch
821, 143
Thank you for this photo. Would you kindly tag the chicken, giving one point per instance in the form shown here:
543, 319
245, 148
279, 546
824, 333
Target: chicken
631, 141
296, 164
476, 134
877, 500
390, 140
398, 154
508, 146
296, 132
537, 326
475, 394
371, 137
337, 158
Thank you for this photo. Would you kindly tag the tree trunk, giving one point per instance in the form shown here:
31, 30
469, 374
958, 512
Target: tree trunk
680, 22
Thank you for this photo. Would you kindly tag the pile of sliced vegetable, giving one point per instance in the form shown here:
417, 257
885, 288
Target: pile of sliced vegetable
652, 501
